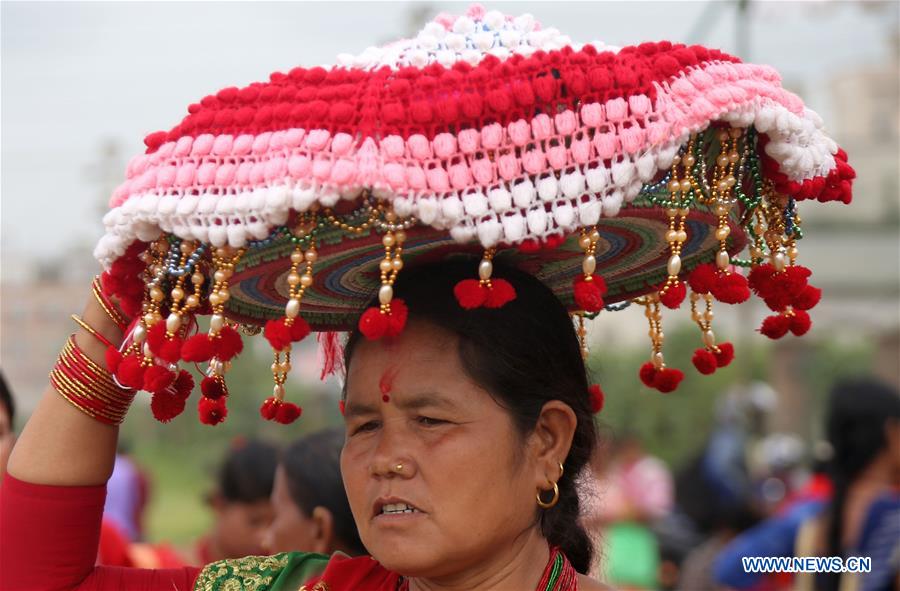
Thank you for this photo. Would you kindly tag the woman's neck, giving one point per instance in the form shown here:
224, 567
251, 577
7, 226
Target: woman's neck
519, 566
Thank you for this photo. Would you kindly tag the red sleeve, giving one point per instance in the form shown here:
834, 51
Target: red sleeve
49, 537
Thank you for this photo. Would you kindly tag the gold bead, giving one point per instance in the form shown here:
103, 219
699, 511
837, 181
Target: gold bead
293, 278
296, 257
306, 280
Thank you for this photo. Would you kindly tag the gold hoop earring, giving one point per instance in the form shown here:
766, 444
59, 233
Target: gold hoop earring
552, 502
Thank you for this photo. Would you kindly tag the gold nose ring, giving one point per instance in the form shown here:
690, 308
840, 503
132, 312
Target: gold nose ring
398, 468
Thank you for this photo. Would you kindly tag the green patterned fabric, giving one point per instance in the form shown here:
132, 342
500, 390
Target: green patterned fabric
280, 572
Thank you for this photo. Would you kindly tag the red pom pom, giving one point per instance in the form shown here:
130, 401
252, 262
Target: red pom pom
529, 246
760, 277
725, 355
157, 378
171, 350
703, 278
212, 412
704, 361
800, 323
673, 295
796, 277
167, 349
298, 330
372, 324
130, 372
228, 344
589, 294
130, 307
597, 398
396, 318
501, 293
287, 413
198, 348
667, 379
184, 384
808, 297
277, 334
213, 388
156, 336
731, 288
648, 374
166, 406
470, 294
775, 326
269, 408
113, 359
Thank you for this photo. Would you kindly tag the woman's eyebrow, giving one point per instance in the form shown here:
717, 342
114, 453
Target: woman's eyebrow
425, 399
354, 410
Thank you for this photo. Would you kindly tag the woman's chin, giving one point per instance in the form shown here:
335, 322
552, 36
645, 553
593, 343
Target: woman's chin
410, 559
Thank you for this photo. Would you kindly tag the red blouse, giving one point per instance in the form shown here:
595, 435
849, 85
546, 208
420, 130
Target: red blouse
49, 537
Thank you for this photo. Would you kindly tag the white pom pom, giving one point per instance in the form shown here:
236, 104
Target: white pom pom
622, 173
403, 207
426, 41
302, 197
500, 199
510, 38
489, 232
196, 231
218, 235
226, 205
633, 190
462, 234
207, 203
147, 232
597, 179
523, 193
667, 155
494, 19
167, 204
589, 212
475, 204
427, 210
484, 40
237, 235
278, 198
417, 58
435, 29
548, 188
513, 227
187, 205
572, 184
111, 218
329, 196
612, 203
646, 167
149, 203
455, 42
463, 25
564, 214
537, 220
471, 56
451, 209
765, 119
257, 200
258, 230
524, 22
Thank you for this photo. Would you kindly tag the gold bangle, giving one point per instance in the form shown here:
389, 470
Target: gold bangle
107, 306
90, 393
91, 331
68, 390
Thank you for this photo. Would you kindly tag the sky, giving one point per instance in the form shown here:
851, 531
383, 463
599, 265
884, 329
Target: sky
74, 76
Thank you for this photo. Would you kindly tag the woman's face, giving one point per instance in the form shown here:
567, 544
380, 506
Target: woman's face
291, 529
466, 473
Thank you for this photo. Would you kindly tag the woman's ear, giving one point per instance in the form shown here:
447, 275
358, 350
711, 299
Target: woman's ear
323, 524
552, 439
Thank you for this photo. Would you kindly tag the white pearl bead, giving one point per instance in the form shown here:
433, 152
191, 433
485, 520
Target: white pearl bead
146, 350
220, 275
722, 232
397, 263
685, 185
311, 256
156, 294
658, 360
293, 279
682, 236
778, 261
140, 333
278, 391
193, 301
584, 241
722, 259
385, 293
401, 236
292, 309
671, 236
214, 299
197, 278
485, 268
284, 367
306, 280
709, 338
589, 264
173, 323
722, 160
296, 257
224, 296
216, 322
595, 236
674, 266
384, 266
388, 240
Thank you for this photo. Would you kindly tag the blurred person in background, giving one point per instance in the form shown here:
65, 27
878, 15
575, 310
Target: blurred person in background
240, 503
633, 490
861, 517
7, 422
311, 511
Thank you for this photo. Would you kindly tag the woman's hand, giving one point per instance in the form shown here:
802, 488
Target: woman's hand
61, 445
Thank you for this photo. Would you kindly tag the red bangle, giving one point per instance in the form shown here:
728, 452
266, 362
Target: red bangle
88, 387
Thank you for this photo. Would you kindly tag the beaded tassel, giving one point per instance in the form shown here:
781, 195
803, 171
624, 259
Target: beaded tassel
712, 356
589, 288
672, 292
654, 373
389, 318
484, 291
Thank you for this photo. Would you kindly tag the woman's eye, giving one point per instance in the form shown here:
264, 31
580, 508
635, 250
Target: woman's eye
365, 427
429, 421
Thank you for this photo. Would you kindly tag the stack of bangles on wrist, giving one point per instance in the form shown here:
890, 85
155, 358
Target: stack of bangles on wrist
87, 386
108, 306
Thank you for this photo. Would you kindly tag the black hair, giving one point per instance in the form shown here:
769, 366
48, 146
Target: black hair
6, 400
524, 354
248, 472
859, 410
312, 465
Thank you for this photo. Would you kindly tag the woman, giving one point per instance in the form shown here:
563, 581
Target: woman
311, 511
428, 500
467, 408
